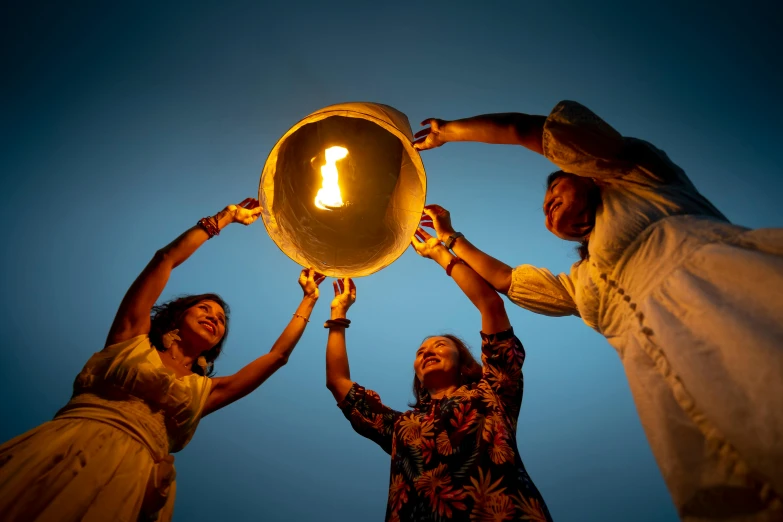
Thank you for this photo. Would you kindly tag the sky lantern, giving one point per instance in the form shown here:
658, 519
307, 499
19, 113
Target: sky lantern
343, 189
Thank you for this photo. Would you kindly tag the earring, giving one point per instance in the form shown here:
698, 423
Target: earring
169, 338
202, 362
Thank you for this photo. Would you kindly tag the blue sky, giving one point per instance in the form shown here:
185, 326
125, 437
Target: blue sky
124, 124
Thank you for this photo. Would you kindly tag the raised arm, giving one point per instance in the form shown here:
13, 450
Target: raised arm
493, 312
338, 373
510, 128
133, 316
495, 272
226, 390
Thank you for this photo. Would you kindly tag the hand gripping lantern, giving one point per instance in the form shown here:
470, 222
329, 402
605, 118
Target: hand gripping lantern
343, 189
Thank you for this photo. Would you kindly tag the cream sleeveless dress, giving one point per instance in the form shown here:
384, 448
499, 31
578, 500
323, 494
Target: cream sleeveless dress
694, 307
109, 446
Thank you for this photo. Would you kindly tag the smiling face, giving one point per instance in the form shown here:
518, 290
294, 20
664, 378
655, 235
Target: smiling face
437, 363
569, 206
203, 325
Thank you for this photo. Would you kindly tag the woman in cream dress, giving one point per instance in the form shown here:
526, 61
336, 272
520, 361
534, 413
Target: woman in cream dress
106, 456
692, 303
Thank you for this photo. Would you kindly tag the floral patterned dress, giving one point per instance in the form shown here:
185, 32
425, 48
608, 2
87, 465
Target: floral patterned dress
456, 458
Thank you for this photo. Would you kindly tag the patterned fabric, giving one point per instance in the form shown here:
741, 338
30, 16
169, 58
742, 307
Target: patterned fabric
105, 456
456, 458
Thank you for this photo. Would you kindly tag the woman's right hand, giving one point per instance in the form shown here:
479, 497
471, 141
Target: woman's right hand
438, 218
431, 137
344, 297
246, 212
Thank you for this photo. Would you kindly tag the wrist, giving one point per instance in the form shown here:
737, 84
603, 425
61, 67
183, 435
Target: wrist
444, 236
452, 239
442, 256
224, 218
338, 313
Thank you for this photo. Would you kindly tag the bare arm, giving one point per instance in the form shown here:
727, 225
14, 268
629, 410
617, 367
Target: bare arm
510, 128
133, 316
226, 390
338, 373
493, 312
495, 272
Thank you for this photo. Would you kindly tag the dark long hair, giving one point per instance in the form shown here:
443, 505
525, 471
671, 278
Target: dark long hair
166, 317
593, 197
470, 370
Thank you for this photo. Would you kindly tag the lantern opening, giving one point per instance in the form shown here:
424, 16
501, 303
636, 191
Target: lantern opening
343, 190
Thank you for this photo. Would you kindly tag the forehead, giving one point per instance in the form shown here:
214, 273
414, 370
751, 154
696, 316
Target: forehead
214, 305
437, 339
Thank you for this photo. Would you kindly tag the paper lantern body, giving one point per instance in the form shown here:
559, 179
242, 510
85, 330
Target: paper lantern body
382, 185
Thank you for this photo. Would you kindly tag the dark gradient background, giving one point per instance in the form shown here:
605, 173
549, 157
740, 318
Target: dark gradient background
124, 123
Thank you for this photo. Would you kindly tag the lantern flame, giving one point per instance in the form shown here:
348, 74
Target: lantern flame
329, 196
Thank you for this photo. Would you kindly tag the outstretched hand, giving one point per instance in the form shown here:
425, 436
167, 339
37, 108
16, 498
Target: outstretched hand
246, 212
310, 280
425, 245
344, 296
431, 137
439, 219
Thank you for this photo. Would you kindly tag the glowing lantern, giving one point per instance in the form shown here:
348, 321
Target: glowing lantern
343, 189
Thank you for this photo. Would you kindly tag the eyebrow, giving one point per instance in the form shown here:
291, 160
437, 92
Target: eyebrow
219, 313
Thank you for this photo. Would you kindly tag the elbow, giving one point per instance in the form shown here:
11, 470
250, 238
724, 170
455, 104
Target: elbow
504, 281
281, 360
162, 257
332, 385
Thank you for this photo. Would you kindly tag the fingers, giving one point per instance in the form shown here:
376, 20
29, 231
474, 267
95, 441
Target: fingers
336, 290
352, 288
426, 221
318, 278
341, 285
423, 234
422, 133
435, 210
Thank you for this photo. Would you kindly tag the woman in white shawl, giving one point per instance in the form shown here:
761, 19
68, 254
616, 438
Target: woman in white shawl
692, 303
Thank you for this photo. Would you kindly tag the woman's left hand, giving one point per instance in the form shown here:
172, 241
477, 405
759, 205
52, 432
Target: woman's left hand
246, 212
426, 245
309, 280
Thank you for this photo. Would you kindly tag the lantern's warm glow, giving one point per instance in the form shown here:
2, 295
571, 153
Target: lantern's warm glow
343, 189
329, 196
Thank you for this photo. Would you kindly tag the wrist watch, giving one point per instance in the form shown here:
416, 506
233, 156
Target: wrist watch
452, 238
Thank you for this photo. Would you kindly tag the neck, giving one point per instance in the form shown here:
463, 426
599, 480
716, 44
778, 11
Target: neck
439, 393
178, 355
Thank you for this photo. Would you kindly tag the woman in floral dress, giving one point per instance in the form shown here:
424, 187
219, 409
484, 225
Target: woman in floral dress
106, 456
454, 455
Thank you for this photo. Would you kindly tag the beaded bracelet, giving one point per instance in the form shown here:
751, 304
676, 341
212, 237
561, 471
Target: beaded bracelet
454, 261
303, 317
338, 323
210, 226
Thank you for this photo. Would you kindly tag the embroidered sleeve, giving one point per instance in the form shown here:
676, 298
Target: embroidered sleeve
542, 292
369, 417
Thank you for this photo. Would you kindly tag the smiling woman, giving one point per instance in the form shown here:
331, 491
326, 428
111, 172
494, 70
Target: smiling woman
454, 454
107, 453
692, 303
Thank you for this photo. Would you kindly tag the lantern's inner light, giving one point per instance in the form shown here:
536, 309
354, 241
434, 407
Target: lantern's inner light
329, 196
